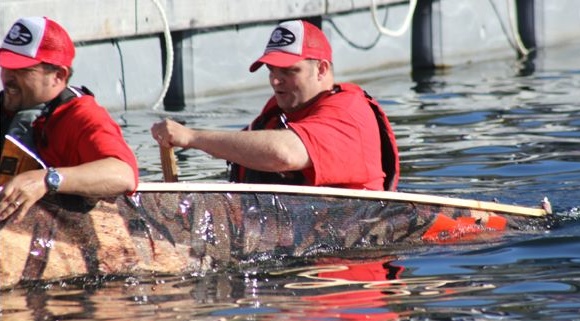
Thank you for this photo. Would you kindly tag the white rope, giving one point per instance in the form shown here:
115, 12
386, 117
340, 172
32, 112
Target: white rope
169, 50
515, 31
402, 29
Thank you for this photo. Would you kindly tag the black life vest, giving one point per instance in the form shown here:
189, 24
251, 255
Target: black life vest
389, 150
19, 126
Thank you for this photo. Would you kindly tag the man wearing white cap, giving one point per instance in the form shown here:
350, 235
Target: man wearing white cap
76, 137
311, 132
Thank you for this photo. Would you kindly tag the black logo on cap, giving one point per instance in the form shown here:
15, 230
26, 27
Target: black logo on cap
281, 37
19, 35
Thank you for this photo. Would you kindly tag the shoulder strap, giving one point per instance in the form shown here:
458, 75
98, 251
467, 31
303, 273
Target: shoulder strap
65, 96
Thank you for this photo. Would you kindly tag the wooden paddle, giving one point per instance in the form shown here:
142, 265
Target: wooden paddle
168, 164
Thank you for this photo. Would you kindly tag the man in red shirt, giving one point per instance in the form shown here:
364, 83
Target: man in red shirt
76, 137
311, 132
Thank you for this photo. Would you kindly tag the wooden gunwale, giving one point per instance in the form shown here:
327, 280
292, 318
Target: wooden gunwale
342, 192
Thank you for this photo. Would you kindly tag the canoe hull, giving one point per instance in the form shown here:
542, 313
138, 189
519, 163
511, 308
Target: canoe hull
193, 231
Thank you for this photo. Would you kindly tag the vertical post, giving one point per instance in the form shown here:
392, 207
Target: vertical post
422, 36
174, 99
422, 52
315, 20
525, 10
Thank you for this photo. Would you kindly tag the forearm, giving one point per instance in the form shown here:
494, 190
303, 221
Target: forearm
266, 150
102, 178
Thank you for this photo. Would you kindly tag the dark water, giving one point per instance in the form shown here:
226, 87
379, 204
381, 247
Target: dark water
485, 131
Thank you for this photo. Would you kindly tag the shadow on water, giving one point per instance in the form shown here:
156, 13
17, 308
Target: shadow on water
485, 131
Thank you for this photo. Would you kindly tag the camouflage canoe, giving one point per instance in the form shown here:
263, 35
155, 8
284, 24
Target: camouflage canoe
192, 227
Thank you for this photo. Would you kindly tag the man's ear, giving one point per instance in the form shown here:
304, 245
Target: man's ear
324, 67
63, 73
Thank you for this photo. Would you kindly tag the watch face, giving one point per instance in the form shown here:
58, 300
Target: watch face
54, 179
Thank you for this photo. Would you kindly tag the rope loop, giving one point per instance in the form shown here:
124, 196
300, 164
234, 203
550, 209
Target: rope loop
404, 27
169, 61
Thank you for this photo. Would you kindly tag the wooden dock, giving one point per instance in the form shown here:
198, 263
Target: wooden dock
106, 19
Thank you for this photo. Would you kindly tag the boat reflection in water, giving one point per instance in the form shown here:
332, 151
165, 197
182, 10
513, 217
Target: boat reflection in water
330, 287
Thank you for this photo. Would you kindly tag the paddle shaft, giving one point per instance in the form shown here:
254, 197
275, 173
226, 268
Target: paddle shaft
168, 164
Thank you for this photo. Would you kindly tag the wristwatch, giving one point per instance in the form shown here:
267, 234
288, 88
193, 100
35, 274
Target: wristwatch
52, 179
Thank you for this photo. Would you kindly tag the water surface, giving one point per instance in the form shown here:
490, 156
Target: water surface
489, 131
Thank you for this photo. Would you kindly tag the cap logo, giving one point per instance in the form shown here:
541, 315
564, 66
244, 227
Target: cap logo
287, 38
19, 35
281, 37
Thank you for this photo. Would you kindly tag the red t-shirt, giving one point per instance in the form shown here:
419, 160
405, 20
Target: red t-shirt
342, 138
81, 131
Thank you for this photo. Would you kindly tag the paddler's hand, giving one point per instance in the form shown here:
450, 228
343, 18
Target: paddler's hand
20, 194
169, 133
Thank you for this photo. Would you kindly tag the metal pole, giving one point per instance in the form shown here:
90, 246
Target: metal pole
527, 24
422, 36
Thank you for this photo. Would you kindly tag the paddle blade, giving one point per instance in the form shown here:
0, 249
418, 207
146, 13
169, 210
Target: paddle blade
168, 164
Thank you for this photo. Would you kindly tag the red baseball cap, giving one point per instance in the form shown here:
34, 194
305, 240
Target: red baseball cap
33, 40
293, 41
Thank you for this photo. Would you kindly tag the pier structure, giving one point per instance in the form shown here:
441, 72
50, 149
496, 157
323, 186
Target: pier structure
162, 54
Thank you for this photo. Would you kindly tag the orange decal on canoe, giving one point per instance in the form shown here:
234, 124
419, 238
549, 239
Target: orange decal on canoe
447, 229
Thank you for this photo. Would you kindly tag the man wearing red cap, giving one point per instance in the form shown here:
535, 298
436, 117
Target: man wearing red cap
79, 141
311, 132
